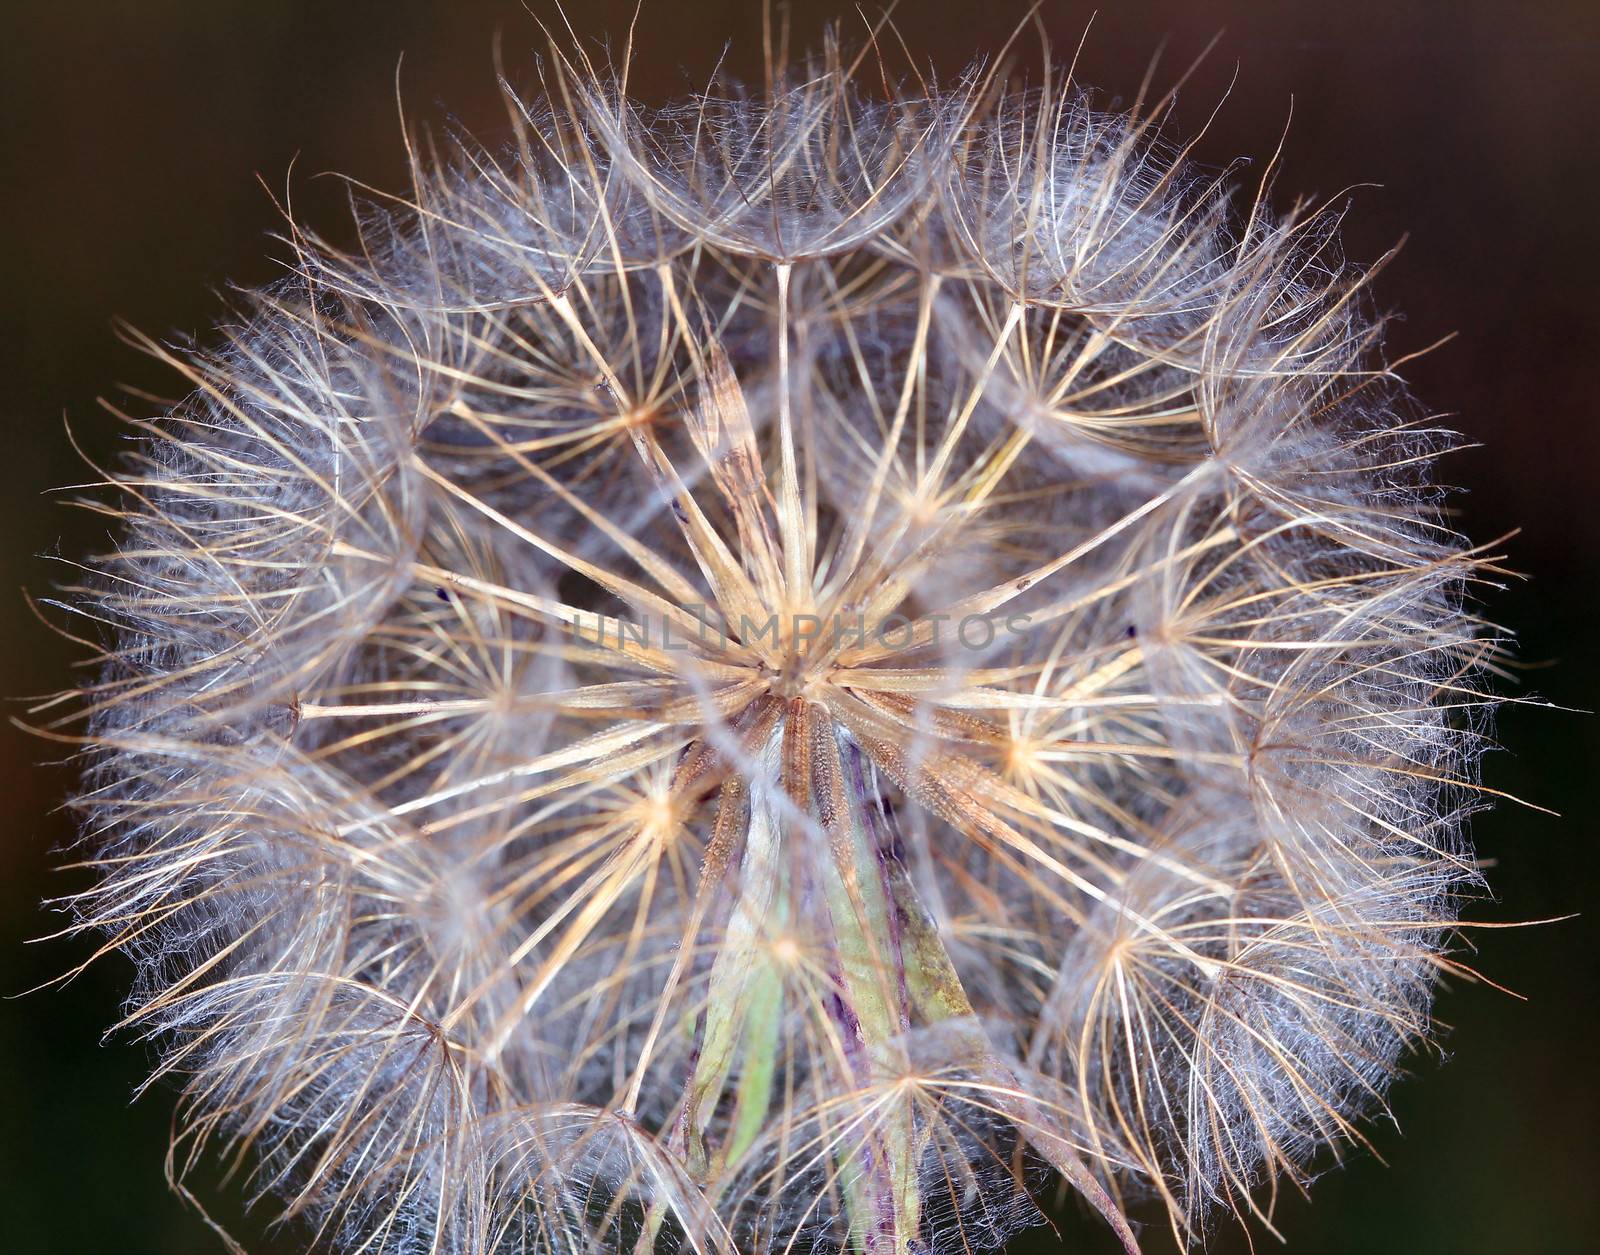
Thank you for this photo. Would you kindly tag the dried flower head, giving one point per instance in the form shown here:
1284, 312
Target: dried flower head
770, 674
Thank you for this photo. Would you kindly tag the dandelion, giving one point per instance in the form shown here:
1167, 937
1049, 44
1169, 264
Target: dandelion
777, 674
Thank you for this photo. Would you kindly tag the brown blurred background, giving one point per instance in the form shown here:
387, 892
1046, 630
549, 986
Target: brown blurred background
133, 134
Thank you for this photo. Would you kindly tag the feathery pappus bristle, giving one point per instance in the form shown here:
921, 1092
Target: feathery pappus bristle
779, 674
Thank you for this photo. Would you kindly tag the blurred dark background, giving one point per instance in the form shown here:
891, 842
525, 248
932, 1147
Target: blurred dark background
132, 137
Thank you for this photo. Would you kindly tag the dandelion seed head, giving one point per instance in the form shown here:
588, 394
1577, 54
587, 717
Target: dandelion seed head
779, 673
